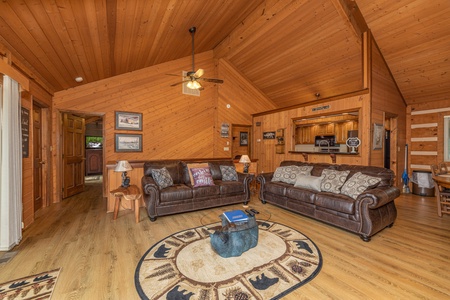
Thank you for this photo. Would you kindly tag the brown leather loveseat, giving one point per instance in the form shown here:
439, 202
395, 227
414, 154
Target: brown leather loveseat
183, 195
365, 212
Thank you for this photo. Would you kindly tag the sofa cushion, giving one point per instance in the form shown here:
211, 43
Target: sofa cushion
202, 176
333, 180
230, 187
173, 166
340, 203
208, 191
278, 188
214, 165
300, 194
228, 173
175, 192
289, 174
162, 178
309, 182
358, 183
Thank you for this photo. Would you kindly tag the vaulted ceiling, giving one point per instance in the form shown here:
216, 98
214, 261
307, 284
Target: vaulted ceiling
288, 49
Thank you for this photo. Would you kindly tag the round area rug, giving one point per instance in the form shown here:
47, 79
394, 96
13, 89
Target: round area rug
185, 266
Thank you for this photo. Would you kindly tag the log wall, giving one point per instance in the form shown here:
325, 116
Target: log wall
425, 123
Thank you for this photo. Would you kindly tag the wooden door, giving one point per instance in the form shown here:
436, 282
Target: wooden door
37, 158
241, 140
73, 155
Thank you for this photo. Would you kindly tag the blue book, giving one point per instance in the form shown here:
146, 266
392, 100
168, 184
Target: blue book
234, 216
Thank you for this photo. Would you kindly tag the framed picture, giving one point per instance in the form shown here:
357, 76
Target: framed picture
243, 141
269, 135
128, 120
128, 142
378, 136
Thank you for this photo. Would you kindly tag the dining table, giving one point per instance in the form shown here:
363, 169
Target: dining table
442, 180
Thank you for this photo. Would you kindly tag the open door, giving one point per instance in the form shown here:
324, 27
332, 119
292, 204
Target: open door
37, 157
73, 155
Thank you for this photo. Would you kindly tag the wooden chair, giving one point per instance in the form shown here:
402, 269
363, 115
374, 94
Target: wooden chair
443, 194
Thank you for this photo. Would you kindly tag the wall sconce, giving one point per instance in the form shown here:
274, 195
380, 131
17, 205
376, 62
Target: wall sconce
124, 166
246, 161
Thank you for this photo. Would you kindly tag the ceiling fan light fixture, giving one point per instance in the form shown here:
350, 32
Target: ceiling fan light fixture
193, 85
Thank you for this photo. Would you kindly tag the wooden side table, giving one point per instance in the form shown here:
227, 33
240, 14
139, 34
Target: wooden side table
131, 193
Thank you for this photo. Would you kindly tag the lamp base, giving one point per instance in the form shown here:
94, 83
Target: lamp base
246, 166
125, 180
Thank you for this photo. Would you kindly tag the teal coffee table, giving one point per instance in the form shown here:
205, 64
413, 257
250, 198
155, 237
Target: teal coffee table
233, 239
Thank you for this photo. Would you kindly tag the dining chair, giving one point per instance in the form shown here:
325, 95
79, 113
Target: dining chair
442, 194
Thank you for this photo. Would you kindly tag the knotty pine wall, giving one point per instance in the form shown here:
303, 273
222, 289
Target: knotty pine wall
388, 109
425, 123
264, 150
27, 167
174, 125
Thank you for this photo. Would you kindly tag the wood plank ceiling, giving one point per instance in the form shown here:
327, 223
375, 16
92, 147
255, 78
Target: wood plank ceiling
288, 49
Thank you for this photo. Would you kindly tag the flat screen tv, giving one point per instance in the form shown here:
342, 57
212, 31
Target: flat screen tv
94, 142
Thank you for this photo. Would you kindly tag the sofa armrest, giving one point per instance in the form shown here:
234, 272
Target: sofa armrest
264, 177
380, 196
149, 185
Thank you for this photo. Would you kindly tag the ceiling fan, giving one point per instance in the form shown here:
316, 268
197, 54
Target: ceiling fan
193, 77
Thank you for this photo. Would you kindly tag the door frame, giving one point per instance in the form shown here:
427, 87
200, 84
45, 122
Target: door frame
58, 162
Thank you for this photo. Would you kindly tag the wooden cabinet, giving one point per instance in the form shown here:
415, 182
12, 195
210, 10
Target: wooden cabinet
94, 161
325, 129
342, 129
305, 135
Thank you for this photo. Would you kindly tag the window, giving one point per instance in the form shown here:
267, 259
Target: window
447, 138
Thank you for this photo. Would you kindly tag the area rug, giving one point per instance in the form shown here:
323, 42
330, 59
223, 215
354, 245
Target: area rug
184, 266
39, 286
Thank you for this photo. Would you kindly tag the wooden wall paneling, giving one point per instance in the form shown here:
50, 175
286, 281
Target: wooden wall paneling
386, 100
268, 160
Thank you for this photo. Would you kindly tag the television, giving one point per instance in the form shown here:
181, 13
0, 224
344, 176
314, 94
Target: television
94, 142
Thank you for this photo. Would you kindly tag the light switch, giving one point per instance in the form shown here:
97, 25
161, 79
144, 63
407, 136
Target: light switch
226, 148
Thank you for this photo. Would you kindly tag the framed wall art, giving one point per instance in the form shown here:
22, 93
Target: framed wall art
128, 120
128, 142
378, 136
269, 135
243, 138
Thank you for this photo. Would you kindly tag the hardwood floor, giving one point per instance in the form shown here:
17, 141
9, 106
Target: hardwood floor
98, 256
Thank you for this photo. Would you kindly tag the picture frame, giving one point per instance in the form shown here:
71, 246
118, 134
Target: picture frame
128, 142
269, 135
128, 120
378, 130
243, 138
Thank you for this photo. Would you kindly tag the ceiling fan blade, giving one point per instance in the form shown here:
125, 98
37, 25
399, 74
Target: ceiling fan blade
215, 80
178, 83
199, 73
173, 75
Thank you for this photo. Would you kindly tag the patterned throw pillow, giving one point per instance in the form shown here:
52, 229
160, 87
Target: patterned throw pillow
289, 174
333, 180
228, 173
358, 183
202, 177
162, 178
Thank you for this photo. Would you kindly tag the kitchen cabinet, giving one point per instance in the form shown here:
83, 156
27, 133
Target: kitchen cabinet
325, 129
342, 129
304, 135
94, 161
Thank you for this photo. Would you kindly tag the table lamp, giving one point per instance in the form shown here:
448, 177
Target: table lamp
124, 166
246, 161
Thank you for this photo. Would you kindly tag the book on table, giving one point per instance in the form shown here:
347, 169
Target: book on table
236, 216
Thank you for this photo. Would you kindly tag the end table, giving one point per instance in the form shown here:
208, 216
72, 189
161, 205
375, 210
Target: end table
131, 193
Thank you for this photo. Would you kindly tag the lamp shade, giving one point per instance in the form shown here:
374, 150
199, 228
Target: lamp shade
123, 166
245, 159
193, 85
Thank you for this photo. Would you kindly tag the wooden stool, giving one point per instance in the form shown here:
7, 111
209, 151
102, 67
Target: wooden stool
131, 193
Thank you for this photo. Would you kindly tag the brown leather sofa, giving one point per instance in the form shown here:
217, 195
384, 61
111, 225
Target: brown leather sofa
183, 197
369, 213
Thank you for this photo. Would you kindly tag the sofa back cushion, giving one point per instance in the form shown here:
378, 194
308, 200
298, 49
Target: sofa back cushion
214, 166
173, 166
386, 175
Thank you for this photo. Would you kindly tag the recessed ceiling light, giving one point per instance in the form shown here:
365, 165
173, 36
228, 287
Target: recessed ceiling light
79, 79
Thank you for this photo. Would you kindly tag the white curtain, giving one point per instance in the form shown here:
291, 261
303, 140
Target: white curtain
11, 165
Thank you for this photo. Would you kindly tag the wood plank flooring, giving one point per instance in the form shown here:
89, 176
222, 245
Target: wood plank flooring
98, 256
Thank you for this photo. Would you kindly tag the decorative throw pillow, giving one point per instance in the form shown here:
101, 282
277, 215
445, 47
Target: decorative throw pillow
196, 165
289, 174
162, 178
333, 180
202, 177
358, 183
309, 182
228, 173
